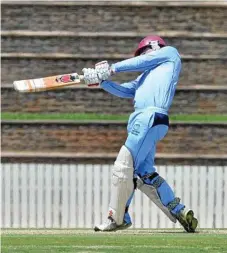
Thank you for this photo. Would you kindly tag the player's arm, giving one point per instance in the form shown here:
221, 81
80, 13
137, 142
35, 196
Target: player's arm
124, 90
147, 61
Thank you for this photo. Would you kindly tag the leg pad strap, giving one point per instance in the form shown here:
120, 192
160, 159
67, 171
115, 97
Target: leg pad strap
173, 204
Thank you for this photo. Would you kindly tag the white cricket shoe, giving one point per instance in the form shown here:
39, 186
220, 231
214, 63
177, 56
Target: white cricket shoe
187, 220
110, 226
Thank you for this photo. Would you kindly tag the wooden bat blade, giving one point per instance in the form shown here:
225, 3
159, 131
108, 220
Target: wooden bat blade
47, 83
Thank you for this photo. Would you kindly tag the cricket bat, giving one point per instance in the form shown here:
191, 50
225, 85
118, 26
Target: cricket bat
47, 83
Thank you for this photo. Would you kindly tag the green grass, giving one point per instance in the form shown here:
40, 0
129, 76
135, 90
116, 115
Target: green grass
90, 116
167, 242
61, 116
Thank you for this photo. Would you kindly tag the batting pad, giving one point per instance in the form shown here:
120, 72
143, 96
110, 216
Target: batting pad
152, 193
122, 184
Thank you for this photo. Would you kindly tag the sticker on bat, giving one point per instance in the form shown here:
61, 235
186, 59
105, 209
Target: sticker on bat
66, 78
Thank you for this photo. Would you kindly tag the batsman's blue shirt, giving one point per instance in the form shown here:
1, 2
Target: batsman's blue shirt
155, 87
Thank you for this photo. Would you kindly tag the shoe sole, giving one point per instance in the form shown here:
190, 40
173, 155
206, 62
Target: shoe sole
120, 227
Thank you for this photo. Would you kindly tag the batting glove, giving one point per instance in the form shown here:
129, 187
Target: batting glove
103, 70
90, 77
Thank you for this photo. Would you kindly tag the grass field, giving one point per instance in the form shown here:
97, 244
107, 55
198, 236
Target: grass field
89, 116
141, 241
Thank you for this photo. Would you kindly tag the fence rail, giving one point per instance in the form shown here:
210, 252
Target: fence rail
77, 196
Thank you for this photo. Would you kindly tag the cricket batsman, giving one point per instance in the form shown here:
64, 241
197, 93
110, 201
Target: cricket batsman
153, 91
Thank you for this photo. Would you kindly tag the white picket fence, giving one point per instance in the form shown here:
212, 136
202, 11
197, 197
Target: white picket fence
77, 196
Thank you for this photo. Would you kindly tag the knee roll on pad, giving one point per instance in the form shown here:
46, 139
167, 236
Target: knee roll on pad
122, 184
123, 166
151, 190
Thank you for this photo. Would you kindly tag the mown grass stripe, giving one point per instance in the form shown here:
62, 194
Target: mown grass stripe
115, 242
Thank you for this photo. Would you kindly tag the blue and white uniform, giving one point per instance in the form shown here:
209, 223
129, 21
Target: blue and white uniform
153, 93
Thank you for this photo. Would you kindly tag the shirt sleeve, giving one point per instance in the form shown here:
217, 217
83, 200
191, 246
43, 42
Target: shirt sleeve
147, 61
124, 90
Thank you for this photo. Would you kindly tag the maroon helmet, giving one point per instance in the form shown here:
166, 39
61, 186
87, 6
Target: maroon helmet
149, 41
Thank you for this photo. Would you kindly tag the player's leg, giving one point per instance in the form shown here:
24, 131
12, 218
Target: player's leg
141, 142
154, 186
149, 181
157, 189
121, 190
144, 154
127, 219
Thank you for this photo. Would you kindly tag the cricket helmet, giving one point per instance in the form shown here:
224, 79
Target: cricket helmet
151, 41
